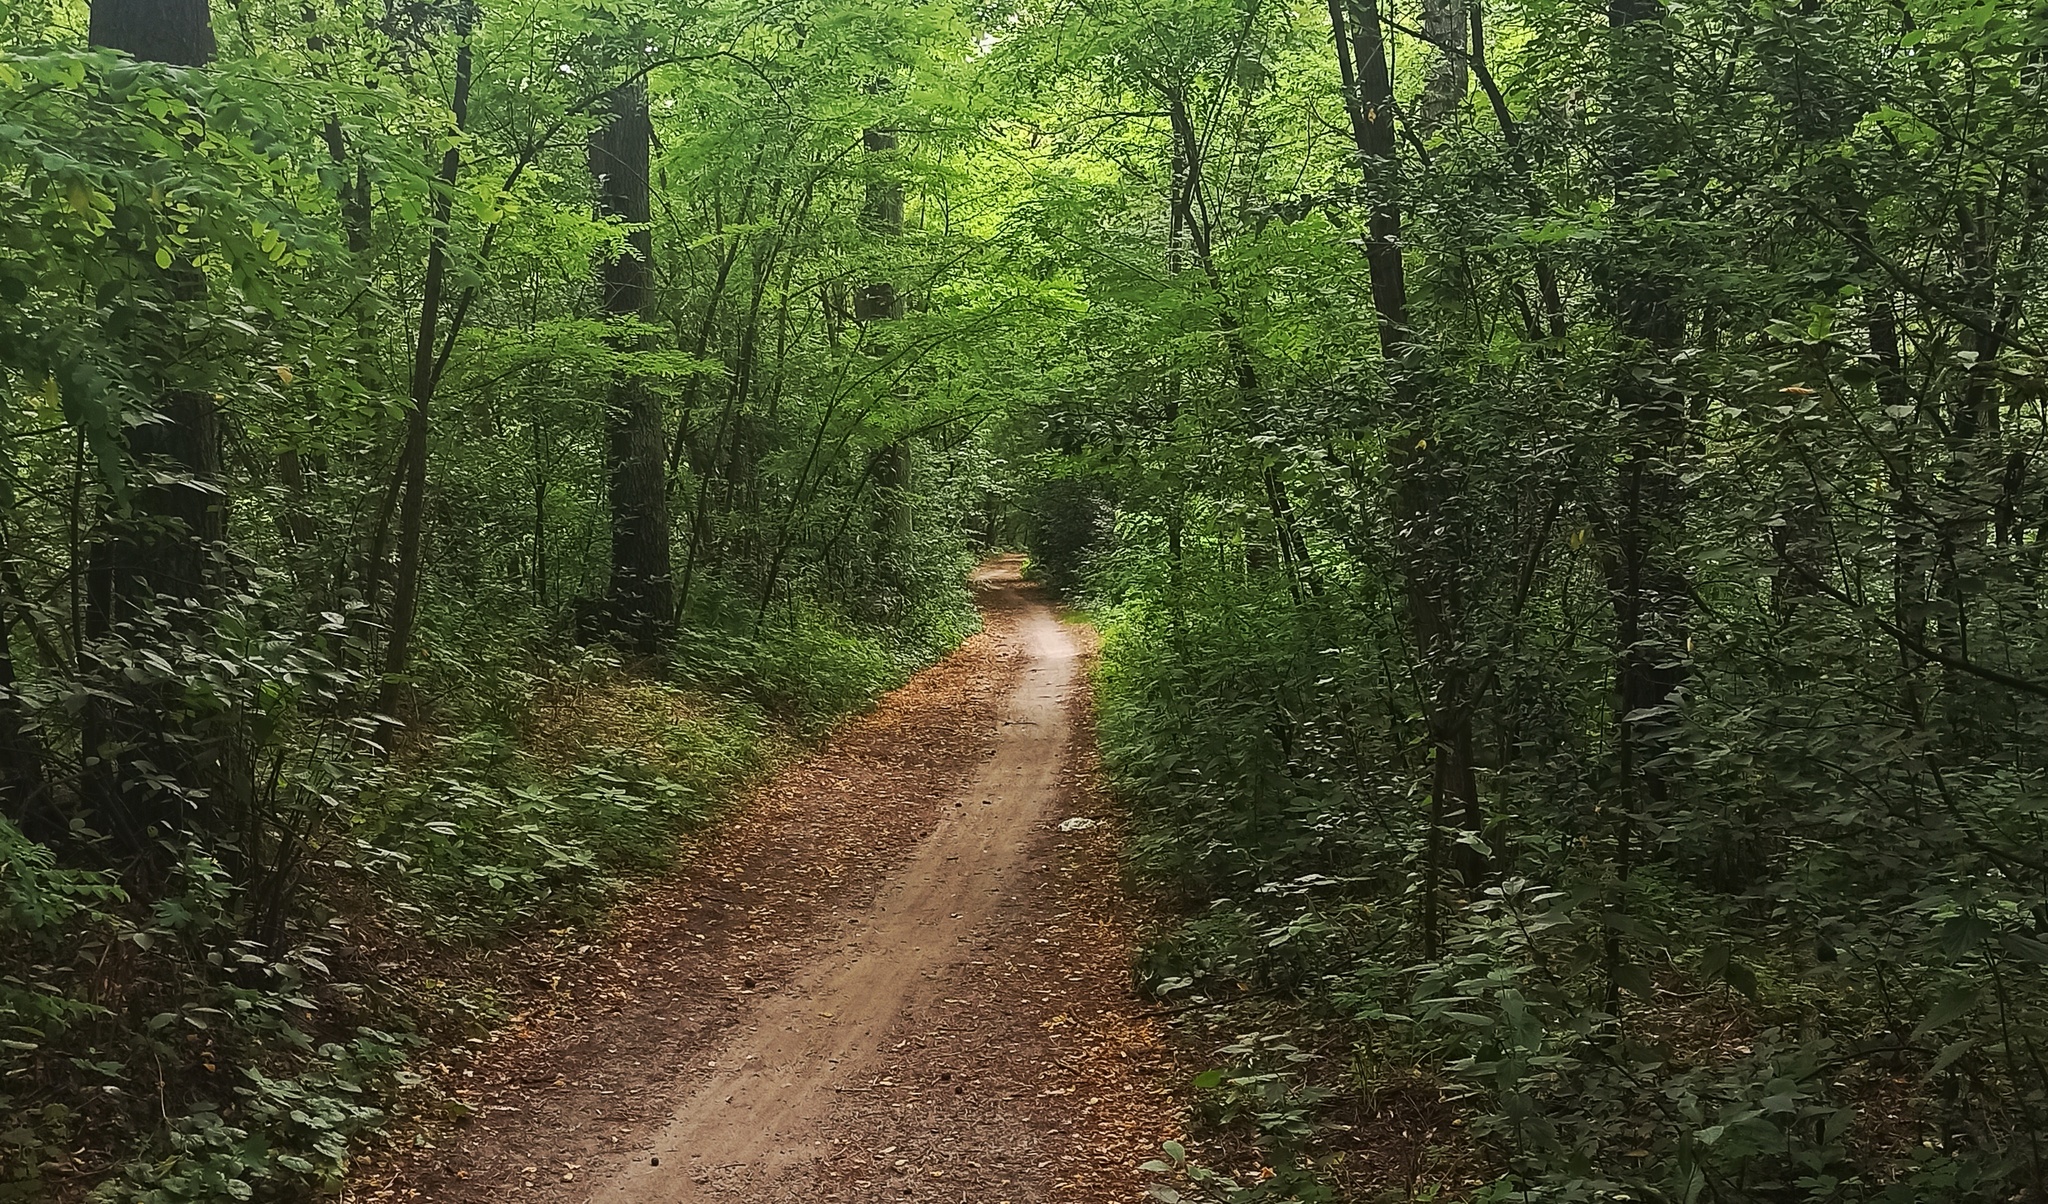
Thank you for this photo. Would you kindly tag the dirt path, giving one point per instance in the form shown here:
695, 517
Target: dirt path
893, 975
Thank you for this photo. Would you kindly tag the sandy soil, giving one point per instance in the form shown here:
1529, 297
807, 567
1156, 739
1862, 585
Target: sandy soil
892, 975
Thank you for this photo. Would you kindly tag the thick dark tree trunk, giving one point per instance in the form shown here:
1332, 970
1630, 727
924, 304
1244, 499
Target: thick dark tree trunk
162, 31
641, 600
1652, 597
155, 566
180, 517
881, 216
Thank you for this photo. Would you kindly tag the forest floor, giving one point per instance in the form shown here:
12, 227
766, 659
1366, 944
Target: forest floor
890, 974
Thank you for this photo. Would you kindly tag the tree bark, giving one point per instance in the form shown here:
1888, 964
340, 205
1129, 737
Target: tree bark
882, 217
158, 562
412, 502
161, 31
1423, 474
1652, 596
1647, 580
1444, 26
641, 597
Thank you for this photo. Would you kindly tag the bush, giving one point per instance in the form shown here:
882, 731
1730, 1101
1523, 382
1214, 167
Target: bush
808, 666
1659, 1035
201, 1046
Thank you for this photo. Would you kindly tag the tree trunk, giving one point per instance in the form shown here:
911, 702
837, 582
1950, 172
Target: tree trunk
641, 597
1647, 580
1445, 27
412, 502
882, 217
161, 31
1652, 597
1423, 474
144, 769
1972, 477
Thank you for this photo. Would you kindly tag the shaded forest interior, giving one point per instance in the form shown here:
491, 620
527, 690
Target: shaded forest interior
1560, 483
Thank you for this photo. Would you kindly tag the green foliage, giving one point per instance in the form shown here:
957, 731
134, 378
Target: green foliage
1577, 663
286, 1134
218, 761
485, 842
1584, 649
477, 841
807, 665
1756, 1033
205, 1038
45, 914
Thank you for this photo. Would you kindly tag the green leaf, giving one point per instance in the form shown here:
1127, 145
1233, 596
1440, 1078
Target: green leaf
1635, 979
1962, 934
1953, 1005
1949, 1054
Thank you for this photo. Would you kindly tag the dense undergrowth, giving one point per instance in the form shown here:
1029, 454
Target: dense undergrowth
1563, 481
365, 370
155, 1052
1770, 1006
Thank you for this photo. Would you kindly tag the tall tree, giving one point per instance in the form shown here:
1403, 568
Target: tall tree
1417, 459
882, 217
641, 597
1646, 577
156, 562
426, 375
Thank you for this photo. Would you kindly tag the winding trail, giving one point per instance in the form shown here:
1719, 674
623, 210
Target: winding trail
891, 975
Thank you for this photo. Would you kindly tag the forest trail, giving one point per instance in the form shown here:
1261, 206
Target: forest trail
891, 976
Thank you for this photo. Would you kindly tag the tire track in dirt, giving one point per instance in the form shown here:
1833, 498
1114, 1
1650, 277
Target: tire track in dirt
892, 976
